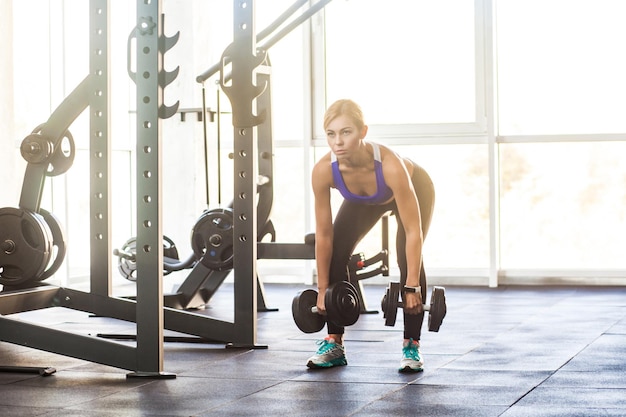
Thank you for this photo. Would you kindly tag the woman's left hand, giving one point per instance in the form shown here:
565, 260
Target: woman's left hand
413, 303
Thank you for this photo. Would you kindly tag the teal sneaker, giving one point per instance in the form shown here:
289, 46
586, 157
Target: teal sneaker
328, 354
411, 359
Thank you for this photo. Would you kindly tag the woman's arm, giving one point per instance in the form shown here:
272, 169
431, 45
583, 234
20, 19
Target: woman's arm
398, 179
321, 182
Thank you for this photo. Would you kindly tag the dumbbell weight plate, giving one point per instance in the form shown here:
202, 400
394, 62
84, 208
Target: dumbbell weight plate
437, 309
342, 304
390, 303
305, 319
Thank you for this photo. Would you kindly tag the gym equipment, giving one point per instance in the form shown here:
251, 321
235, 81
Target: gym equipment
26, 246
58, 157
58, 242
357, 267
341, 302
41, 370
436, 309
212, 239
127, 257
38, 149
146, 358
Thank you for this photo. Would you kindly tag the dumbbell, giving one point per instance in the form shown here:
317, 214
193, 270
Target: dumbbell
436, 309
342, 307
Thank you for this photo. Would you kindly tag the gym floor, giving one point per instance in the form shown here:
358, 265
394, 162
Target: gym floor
508, 351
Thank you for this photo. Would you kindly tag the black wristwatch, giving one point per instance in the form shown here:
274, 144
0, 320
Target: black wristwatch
412, 289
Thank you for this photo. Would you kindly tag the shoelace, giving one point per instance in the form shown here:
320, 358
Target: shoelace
324, 346
410, 351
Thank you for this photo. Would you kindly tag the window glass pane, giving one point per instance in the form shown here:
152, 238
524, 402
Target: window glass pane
563, 212
566, 75
31, 66
289, 191
287, 87
404, 61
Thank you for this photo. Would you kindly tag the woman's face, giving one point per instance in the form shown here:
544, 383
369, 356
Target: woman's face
343, 136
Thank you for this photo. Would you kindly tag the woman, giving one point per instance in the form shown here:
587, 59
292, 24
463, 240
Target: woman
373, 180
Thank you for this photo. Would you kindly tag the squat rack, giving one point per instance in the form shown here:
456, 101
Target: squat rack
148, 312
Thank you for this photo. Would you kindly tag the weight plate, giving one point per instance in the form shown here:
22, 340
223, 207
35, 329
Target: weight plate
342, 304
58, 241
212, 239
438, 309
393, 300
169, 250
384, 303
305, 319
36, 149
25, 246
62, 157
128, 267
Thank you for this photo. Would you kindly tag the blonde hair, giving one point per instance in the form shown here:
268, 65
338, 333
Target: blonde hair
344, 107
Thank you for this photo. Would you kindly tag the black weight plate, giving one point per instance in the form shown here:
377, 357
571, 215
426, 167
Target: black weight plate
384, 303
25, 246
438, 309
305, 319
169, 250
342, 304
58, 241
128, 267
212, 239
393, 297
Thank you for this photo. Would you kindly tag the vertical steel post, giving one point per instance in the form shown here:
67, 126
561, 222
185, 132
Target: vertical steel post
242, 93
149, 185
100, 150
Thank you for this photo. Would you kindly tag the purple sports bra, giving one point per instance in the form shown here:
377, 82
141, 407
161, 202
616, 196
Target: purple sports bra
383, 192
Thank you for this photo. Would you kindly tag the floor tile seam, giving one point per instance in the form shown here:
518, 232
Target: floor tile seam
380, 398
551, 375
234, 400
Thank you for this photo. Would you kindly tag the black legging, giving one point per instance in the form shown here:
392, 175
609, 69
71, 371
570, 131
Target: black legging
352, 223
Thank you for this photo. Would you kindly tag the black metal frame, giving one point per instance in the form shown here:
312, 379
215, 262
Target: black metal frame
146, 359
